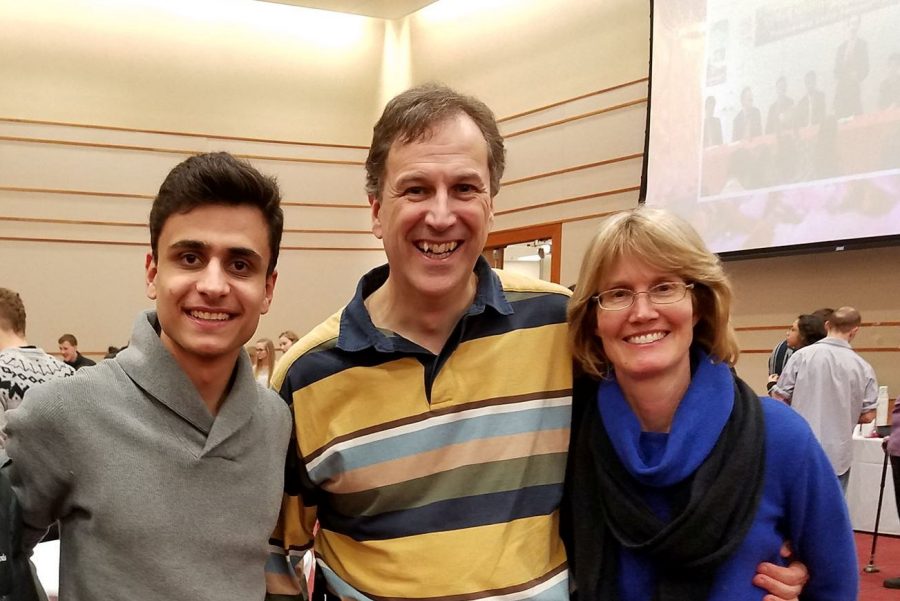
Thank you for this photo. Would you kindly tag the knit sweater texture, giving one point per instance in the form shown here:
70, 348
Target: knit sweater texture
156, 497
22, 367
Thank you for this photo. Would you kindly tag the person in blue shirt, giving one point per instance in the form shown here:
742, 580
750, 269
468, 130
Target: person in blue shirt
680, 479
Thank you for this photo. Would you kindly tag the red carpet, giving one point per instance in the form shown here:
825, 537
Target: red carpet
887, 557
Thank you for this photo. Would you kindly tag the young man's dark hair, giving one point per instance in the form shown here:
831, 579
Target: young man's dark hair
218, 178
412, 115
12, 311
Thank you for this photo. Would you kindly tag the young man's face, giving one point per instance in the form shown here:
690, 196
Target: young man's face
68, 352
209, 281
435, 209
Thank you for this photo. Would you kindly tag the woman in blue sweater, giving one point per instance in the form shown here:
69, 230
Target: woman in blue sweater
680, 479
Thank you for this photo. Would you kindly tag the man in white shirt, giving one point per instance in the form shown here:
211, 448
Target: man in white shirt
834, 388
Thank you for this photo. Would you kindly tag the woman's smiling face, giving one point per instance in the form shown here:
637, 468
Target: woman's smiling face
645, 340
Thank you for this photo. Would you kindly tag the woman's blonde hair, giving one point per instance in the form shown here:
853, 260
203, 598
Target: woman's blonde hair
667, 243
270, 359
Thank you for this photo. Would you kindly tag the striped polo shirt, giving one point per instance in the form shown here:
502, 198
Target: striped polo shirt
433, 476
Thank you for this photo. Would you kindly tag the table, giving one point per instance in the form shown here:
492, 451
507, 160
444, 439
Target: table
862, 492
861, 144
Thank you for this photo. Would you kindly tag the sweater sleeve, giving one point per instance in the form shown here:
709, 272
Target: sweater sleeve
818, 522
41, 472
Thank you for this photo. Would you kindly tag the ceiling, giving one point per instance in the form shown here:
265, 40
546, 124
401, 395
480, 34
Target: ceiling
382, 9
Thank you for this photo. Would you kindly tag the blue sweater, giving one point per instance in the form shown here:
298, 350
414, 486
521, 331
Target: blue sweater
802, 502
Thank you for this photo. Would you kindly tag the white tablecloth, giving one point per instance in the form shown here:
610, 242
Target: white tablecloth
862, 493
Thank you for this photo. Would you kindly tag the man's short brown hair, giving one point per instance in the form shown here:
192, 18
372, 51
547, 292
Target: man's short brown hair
12, 311
70, 338
413, 115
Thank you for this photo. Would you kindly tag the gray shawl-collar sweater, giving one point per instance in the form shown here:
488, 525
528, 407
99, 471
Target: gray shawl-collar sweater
156, 498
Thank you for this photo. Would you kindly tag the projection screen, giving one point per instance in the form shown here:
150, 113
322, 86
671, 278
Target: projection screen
775, 124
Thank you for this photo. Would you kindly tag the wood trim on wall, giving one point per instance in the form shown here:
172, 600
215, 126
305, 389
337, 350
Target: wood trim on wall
600, 215
55, 221
75, 192
179, 151
99, 194
763, 328
861, 349
49, 220
569, 200
607, 109
72, 241
322, 205
236, 138
138, 130
147, 244
573, 99
619, 159
190, 134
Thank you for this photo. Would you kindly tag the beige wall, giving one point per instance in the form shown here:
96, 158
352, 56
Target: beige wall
520, 54
275, 72
215, 66
222, 68
776, 290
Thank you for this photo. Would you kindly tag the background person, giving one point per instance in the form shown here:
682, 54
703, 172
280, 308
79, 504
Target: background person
68, 347
834, 388
676, 487
748, 122
781, 110
784, 349
264, 361
286, 340
21, 365
806, 330
712, 125
811, 107
851, 67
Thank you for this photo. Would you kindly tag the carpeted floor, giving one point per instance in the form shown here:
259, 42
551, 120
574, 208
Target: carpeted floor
887, 558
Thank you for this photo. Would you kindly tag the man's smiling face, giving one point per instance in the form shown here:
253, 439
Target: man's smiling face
435, 209
209, 281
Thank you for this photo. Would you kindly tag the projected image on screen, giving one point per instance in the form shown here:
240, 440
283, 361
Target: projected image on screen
776, 123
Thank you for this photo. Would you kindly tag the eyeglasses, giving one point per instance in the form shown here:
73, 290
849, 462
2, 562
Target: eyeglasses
665, 293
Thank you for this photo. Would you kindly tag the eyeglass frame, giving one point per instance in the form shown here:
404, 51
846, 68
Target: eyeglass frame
634, 295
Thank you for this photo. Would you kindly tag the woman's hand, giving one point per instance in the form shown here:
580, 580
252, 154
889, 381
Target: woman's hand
782, 583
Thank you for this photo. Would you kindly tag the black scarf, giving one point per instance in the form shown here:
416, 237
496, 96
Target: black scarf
712, 511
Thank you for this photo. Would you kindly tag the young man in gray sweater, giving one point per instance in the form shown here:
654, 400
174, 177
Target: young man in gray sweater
164, 465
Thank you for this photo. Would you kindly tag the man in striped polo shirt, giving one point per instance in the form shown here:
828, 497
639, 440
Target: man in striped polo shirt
431, 413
